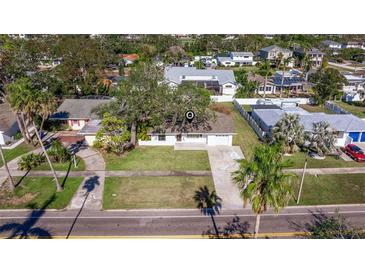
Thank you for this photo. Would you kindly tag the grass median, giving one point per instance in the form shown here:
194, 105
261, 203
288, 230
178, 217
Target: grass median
153, 192
38, 192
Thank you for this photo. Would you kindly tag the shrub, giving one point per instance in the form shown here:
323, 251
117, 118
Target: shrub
30, 161
58, 152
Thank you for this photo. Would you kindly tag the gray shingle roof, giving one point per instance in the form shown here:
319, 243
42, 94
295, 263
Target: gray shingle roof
91, 128
175, 74
78, 108
222, 123
274, 47
339, 122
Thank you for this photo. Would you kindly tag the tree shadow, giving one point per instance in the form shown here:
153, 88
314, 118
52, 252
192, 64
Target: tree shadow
89, 186
323, 226
234, 229
27, 229
209, 203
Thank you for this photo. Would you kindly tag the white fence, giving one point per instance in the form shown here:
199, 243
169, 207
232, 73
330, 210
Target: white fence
260, 133
254, 101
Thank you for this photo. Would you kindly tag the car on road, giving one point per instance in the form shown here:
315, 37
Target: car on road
355, 152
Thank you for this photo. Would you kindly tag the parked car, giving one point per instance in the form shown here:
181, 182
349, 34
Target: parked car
355, 152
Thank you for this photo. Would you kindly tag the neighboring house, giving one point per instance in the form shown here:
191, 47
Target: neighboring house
348, 127
315, 54
8, 124
274, 52
129, 59
220, 82
236, 59
353, 45
217, 131
293, 80
77, 112
331, 44
208, 61
355, 89
270, 86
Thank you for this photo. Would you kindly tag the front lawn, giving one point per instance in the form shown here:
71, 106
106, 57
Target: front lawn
10, 154
331, 189
330, 161
39, 192
246, 138
314, 108
158, 158
359, 111
153, 192
63, 166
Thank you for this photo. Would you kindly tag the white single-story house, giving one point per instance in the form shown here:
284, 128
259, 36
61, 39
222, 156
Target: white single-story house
220, 82
8, 124
217, 131
207, 60
348, 128
76, 113
236, 59
331, 44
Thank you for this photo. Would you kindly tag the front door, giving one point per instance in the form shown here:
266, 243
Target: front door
178, 138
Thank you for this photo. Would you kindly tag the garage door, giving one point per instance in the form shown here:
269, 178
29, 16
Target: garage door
362, 137
222, 140
355, 136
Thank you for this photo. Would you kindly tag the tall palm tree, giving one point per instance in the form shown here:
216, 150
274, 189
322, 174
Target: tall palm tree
209, 203
263, 182
266, 71
285, 63
307, 65
11, 182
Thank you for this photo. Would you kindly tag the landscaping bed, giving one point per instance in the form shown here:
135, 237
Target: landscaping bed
153, 192
158, 158
331, 189
38, 192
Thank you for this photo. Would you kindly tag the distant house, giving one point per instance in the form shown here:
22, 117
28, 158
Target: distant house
8, 124
220, 82
353, 45
236, 59
355, 89
348, 128
129, 59
217, 131
76, 113
274, 52
315, 54
207, 60
331, 44
270, 86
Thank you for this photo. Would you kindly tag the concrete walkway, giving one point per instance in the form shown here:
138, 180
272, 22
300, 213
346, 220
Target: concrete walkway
333, 170
89, 196
223, 162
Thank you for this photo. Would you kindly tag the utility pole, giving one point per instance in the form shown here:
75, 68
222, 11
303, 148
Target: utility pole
302, 181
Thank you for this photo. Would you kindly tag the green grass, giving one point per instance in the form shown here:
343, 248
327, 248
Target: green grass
313, 108
158, 158
330, 161
63, 166
153, 192
39, 192
356, 110
11, 154
246, 138
332, 189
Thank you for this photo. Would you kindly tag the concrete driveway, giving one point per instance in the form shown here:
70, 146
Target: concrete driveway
223, 162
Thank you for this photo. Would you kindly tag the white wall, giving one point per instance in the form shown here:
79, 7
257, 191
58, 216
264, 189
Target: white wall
229, 90
186, 139
90, 140
74, 125
214, 140
2, 141
170, 141
253, 101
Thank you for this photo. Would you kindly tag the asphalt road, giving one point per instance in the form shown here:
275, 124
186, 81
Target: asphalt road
160, 223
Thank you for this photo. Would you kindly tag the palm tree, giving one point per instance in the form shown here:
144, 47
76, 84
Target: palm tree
11, 182
266, 71
322, 138
263, 182
209, 203
286, 62
307, 65
289, 131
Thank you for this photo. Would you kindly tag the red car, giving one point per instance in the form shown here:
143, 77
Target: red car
355, 152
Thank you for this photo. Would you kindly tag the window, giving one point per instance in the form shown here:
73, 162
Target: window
228, 86
162, 137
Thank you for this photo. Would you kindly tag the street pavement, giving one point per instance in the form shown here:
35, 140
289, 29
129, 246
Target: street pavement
162, 223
